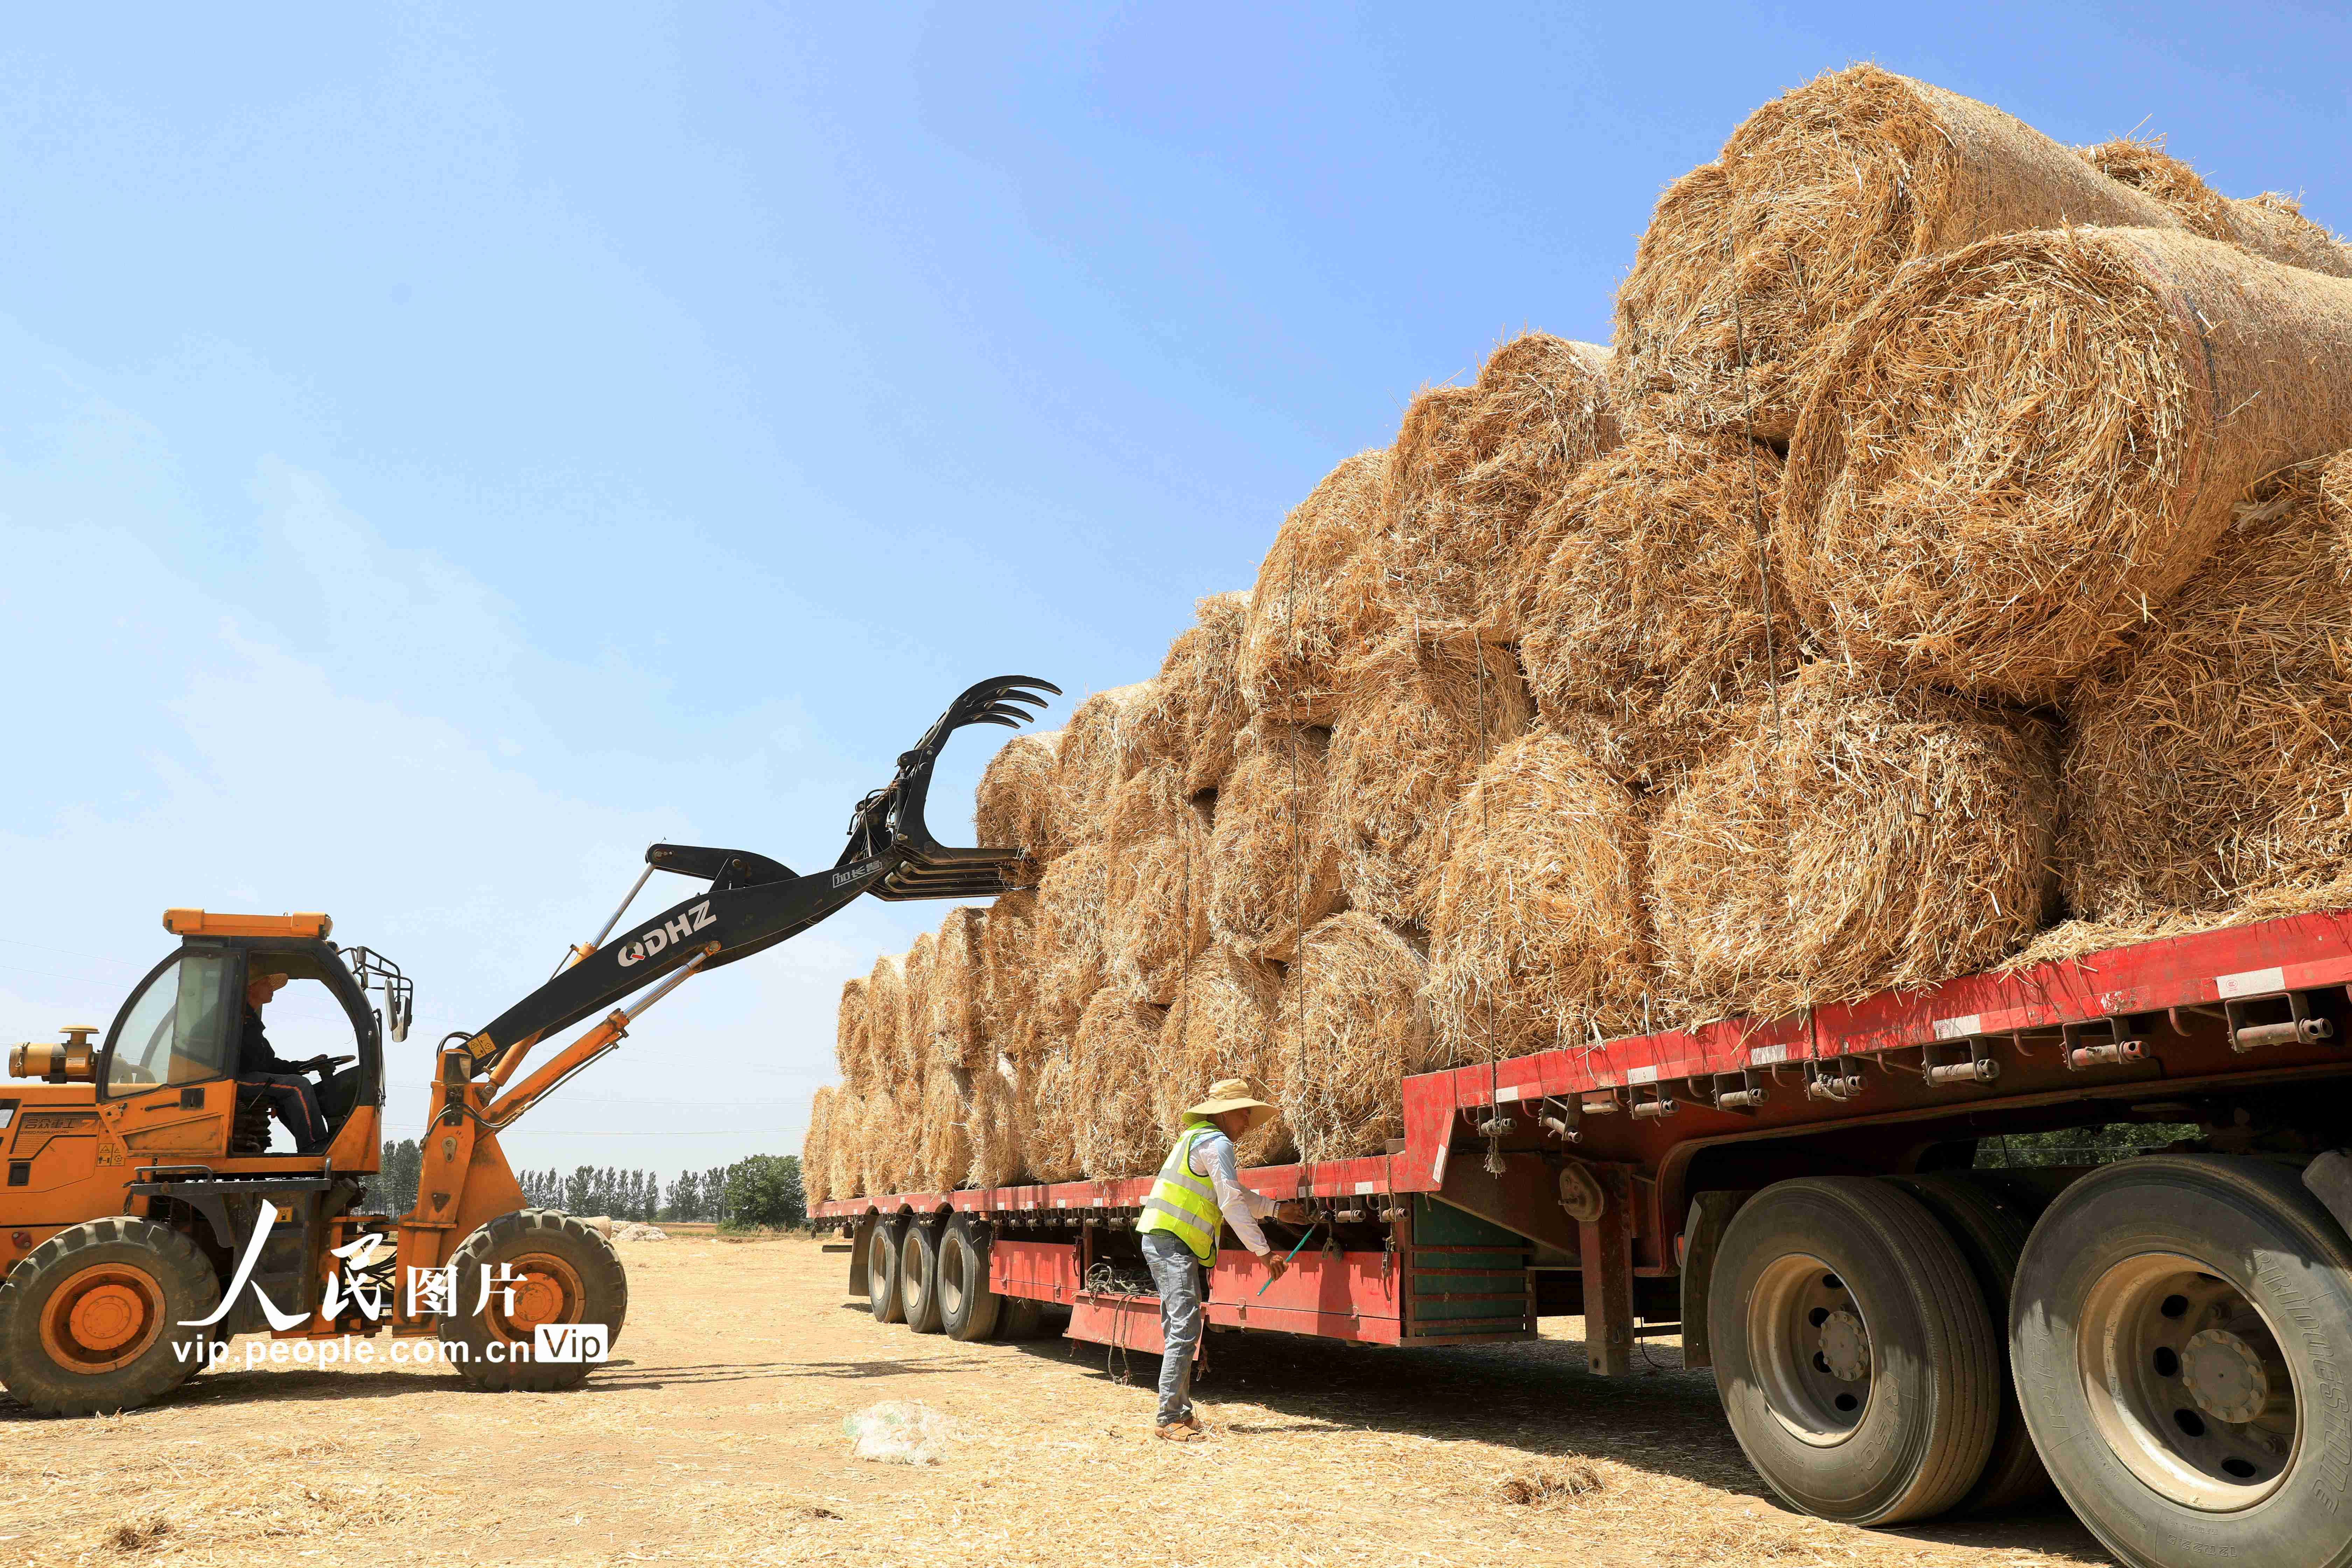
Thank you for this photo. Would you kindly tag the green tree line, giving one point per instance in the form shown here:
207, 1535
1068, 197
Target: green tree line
762, 1190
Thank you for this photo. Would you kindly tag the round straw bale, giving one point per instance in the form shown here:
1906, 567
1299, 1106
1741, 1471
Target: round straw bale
1272, 867
1198, 703
1352, 1020
1303, 616
846, 1153
1050, 1113
853, 1039
1470, 468
1008, 969
1536, 933
1019, 805
2268, 224
816, 1149
917, 1053
1815, 201
958, 1032
1421, 713
884, 1146
1649, 610
1221, 1026
2020, 449
2210, 766
897, 1063
1072, 903
995, 1129
1869, 841
1116, 1072
943, 1156
1107, 739
1156, 848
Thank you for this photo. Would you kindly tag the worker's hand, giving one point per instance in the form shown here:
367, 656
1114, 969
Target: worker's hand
1276, 1263
1292, 1213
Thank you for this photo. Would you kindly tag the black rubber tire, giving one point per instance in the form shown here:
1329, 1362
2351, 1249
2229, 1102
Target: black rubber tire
184, 1286
968, 1307
1019, 1318
882, 1297
1990, 1225
603, 1297
1913, 1453
919, 1277
2251, 1223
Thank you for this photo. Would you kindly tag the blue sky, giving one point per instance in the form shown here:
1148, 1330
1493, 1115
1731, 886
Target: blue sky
443, 451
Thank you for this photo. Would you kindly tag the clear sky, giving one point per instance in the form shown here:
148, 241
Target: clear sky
445, 450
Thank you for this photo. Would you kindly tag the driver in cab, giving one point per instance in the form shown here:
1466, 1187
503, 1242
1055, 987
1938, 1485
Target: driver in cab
278, 1083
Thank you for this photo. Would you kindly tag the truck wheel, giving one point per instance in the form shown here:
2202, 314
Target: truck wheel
90, 1319
1019, 1318
1990, 1225
1854, 1357
2181, 1329
968, 1308
882, 1297
919, 1277
561, 1272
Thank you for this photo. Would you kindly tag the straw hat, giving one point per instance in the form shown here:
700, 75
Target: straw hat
1231, 1094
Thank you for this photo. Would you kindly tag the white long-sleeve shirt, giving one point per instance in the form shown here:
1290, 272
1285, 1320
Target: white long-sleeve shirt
1241, 1207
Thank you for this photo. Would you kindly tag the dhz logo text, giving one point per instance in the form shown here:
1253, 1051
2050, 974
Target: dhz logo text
676, 929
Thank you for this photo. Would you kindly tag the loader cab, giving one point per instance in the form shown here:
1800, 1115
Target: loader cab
166, 1076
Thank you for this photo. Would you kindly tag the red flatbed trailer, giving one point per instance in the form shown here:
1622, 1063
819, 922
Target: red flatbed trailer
1620, 1181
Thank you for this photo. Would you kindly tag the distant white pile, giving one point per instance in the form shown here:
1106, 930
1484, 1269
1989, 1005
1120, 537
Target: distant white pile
1954, 539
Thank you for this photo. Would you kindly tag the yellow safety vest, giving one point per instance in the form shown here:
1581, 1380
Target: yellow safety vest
1184, 1205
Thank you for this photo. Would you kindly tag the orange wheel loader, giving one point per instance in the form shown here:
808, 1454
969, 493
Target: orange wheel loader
144, 1217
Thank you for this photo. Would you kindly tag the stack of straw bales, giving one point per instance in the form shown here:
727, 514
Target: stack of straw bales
1954, 539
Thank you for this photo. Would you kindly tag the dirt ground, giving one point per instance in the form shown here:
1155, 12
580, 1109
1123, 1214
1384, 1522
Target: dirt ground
717, 1436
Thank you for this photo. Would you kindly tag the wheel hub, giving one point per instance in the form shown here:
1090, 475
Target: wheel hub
2225, 1376
106, 1318
102, 1318
1845, 1347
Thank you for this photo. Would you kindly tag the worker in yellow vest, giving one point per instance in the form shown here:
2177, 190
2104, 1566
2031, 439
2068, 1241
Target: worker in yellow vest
1198, 1193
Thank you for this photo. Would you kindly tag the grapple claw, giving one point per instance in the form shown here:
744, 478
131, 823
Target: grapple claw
891, 818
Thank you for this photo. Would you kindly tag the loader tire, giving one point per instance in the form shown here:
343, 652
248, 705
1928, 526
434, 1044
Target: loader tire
92, 1319
563, 1273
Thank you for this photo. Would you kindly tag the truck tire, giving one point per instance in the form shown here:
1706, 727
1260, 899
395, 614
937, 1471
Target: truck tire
1019, 1318
563, 1273
919, 1276
90, 1319
882, 1297
968, 1307
1855, 1359
1990, 1223
2181, 1329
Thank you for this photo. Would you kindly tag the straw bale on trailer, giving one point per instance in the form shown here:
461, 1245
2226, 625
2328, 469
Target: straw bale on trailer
1199, 706
2209, 766
1069, 952
1538, 937
1421, 713
885, 1144
2019, 449
1352, 1020
1050, 1114
853, 1039
1303, 612
885, 1014
1116, 1069
816, 1149
1647, 608
1470, 468
1008, 970
845, 1147
1221, 1026
916, 1051
1019, 803
1157, 887
1811, 206
943, 1131
995, 1128
958, 1035
1273, 867
1867, 841
1108, 738
2269, 225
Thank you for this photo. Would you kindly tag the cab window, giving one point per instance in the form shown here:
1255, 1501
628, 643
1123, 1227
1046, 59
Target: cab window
178, 1029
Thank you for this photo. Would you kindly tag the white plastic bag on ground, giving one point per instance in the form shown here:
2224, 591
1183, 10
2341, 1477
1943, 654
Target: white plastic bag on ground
899, 1432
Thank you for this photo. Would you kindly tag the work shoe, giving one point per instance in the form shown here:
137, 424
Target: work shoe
1185, 1431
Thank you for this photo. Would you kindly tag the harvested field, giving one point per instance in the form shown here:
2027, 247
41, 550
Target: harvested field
1859, 842
717, 1437
1302, 619
1753, 263
1274, 869
1936, 533
2207, 768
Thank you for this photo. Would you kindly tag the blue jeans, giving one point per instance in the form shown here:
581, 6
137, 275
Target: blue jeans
295, 1103
1177, 1274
